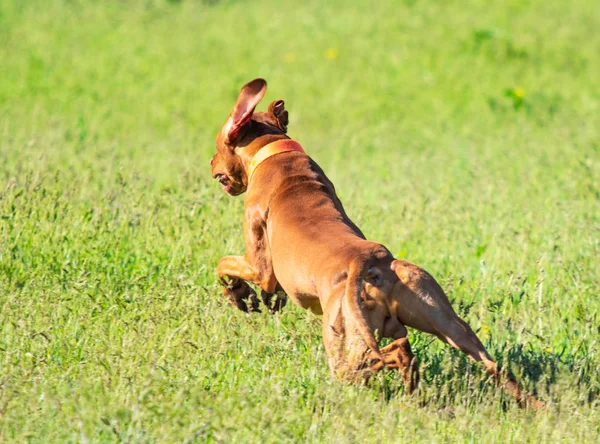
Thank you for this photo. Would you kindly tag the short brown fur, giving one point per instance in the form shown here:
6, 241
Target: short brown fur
300, 241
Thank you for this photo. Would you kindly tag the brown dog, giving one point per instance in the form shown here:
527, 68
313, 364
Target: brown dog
300, 240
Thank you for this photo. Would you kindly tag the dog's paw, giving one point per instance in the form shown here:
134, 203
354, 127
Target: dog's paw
238, 292
274, 301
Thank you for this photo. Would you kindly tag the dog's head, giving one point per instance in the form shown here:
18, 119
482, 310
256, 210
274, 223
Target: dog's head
243, 134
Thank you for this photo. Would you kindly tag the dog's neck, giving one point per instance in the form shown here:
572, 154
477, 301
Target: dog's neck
248, 152
278, 147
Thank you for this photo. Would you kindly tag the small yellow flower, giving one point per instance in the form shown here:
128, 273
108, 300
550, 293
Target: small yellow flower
548, 350
519, 92
289, 57
331, 53
485, 330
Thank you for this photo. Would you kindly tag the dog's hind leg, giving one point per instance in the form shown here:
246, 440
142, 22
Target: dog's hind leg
333, 337
348, 356
398, 355
347, 352
422, 304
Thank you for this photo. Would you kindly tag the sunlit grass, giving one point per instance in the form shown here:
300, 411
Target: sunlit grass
463, 136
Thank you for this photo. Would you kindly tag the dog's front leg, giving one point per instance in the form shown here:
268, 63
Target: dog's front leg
234, 273
255, 266
274, 301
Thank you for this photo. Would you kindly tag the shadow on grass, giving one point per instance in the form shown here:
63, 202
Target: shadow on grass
448, 376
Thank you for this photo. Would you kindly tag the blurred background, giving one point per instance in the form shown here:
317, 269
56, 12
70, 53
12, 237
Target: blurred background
364, 76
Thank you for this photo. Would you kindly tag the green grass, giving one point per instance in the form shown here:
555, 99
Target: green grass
462, 135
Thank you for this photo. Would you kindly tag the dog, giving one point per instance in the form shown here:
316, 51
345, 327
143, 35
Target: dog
301, 243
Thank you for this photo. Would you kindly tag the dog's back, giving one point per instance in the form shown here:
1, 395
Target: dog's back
312, 240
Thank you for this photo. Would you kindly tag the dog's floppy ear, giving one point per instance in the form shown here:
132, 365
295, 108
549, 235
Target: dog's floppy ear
279, 114
250, 95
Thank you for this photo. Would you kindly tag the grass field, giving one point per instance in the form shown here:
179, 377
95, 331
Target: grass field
462, 135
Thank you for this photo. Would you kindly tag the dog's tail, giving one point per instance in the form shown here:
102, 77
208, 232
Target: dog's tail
354, 287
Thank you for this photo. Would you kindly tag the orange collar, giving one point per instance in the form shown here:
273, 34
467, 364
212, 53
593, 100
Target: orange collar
271, 149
